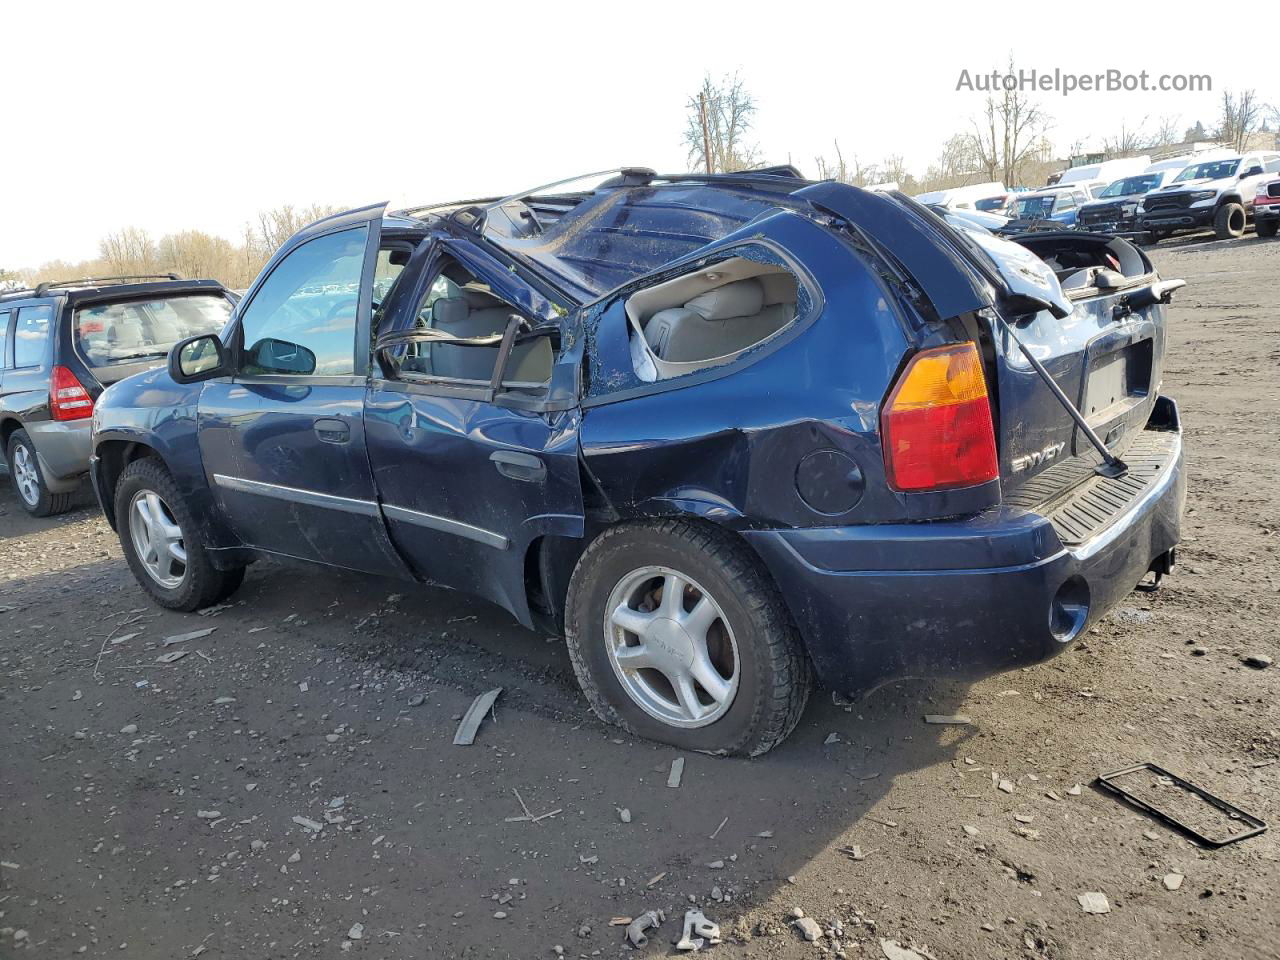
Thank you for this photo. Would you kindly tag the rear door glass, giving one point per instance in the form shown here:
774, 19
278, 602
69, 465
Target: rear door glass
31, 335
108, 333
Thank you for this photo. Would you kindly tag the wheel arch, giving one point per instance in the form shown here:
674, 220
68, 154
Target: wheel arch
114, 455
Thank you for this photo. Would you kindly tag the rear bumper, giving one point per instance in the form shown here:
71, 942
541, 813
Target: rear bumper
965, 598
63, 448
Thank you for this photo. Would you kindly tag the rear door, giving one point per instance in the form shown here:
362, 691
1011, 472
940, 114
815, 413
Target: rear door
282, 439
472, 469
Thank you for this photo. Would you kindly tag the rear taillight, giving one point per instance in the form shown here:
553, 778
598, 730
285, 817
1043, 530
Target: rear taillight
68, 399
936, 426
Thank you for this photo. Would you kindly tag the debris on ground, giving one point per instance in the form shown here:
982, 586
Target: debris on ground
1256, 660
1173, 881
1094, 902
471, 720
624, 814
308, 824
184, 637
698, 932
893, 950
649, 920
677, 771
356, 932
808, 927
945, 719
173, 656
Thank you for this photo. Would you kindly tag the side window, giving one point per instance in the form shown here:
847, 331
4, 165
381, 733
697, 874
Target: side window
1273, 165
31, 335
302, 320
459, 306
4, 339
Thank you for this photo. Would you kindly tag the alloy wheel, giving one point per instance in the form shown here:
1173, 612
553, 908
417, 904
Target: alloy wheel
671, 647
157, 539
25, 475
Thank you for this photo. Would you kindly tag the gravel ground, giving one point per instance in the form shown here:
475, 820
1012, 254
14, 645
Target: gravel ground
289, 787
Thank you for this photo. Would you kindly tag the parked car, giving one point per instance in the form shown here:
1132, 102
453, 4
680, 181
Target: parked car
1266, 208
1093, 178
726, 432
965, 198
62, 344
1116, 208
1212, 193
1049, 208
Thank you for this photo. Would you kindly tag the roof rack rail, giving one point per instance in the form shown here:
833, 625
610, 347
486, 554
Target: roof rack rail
44, 288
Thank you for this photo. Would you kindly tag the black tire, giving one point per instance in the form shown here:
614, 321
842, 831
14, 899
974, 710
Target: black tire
201, 585
774, 674
1152, 237
47, 504
1267, 228
1229, 221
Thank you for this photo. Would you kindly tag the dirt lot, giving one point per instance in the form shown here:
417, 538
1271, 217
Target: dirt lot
152, 810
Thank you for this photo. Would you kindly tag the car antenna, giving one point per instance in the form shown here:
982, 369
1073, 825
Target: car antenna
1112, 466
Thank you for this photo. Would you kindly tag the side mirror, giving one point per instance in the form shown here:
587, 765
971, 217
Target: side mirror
197, 358
279, 356
1252, 172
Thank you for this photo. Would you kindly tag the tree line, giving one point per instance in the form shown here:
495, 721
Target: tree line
1006, 140
189, 253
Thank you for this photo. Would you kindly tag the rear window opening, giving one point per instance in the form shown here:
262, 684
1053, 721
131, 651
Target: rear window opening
110, 333
710, 317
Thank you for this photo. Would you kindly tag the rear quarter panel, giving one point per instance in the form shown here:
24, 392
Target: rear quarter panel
728, 448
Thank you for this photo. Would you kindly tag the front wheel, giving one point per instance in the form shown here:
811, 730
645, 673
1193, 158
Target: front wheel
676, 634
158, 535
1228, 222
1267, 228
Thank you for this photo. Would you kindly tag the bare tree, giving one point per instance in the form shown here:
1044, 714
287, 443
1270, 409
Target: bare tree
1006, 132
128, 251
1127, 142
846, 172
1167, 131
1239, 117
718, 124
277, 225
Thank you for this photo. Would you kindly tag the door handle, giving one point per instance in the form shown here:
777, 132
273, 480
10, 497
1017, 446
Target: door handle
332, 431
519, 466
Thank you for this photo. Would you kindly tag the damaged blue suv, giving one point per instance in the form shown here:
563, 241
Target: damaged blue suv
731, 434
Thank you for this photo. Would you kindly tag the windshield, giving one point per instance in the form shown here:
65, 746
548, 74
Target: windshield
1215, 170
1132, 185
1034, 208
108, 333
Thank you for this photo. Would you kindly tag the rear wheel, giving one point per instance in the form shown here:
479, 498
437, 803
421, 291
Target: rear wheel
1267, 228
158, 535
676, 634
28, 479
1228, 222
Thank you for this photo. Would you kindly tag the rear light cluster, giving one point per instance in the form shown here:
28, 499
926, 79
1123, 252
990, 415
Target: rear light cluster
68, 399
936, 426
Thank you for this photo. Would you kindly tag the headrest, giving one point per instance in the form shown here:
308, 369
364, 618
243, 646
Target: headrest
480, 299
449, 311
741, 298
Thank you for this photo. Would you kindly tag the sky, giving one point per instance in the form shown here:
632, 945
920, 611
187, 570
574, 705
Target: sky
172, 116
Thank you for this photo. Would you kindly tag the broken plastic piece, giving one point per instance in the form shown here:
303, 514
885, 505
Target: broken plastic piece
471, 720
698, 932
646, 921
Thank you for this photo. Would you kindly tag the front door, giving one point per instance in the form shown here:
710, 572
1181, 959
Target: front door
472, 468
282, 439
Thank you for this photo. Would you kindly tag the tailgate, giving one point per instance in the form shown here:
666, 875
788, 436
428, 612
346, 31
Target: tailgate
1106, 357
